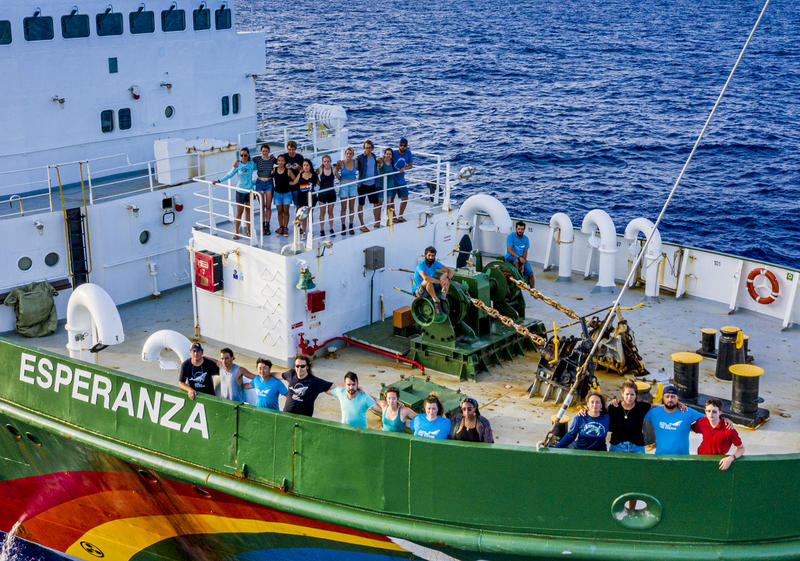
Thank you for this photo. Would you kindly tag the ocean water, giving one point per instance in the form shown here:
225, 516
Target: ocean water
567, 106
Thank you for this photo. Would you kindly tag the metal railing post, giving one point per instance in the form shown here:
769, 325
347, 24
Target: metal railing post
89, 179
212, 223
150, 175
446, 202
50, 188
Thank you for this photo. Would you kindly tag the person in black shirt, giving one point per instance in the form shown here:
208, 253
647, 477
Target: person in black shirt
304, 387
294, 162
197, 373
627, 419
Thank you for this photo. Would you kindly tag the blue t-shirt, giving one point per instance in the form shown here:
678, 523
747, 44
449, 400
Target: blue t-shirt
672, 429
354, 411
588, 433
245, 173
438, 428
400, 161
430, 271
268, 391
518, 244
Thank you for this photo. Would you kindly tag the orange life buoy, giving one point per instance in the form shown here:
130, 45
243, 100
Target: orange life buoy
773, 285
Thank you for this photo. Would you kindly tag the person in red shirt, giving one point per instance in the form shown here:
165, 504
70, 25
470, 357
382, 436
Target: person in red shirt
717, 436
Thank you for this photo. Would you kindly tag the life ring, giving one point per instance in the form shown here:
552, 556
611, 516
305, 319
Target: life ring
773, 285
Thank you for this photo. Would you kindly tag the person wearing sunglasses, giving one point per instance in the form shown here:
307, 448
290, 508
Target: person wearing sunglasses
304, 387
469, 425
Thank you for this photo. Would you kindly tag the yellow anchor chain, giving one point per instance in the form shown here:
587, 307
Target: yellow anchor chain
508, 322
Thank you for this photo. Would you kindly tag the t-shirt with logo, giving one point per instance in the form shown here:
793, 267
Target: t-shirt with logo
354, 411
267, 391
438, 428
672, 429
401, 161
199, 378
429, 270
518, 244
303, 393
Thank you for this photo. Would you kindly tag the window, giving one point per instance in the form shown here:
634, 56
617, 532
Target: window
109, 23
222, 18
143, 21
38, 28
107, 120
202, 19
235, 102
169, 111
113, 65
5, 32
173, 20
74, 26
124, 119
226, 105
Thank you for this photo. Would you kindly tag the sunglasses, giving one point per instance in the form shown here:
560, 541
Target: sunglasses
300, 365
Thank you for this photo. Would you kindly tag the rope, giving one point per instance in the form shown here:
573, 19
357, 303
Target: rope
567, 400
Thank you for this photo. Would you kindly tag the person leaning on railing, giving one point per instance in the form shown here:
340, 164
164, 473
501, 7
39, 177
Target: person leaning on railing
588, 432
470, 425
244, 170
433, 424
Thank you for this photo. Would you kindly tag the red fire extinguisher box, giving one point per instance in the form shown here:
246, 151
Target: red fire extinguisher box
208, 270
316, 301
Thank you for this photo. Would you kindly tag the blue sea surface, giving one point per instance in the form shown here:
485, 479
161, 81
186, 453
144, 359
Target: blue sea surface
567, 106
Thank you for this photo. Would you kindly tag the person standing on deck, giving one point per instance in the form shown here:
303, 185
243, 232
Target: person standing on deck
304, 387
385, 167
354, 401
268, 388
367, 166
671, 426
517, 245
425, 280
197, 373
403, 160
244, 170
282, 182
294, 161
230, 376
588, 432
264, 164
346, 172
433, 423
394, 414
717, 436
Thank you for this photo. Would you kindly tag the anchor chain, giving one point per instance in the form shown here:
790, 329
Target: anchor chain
508, 322
546, 299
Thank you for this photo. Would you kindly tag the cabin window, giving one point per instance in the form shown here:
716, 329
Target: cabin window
236, 98
226, 105
109, 23
124, 119
113, 65
38, 28
107, 120
24, 263
202, 19
142, 21
169, 111
222, 18
173, 20
5, 32
74, 26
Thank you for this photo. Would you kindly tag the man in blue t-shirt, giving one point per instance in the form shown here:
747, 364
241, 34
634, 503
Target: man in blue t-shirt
671, 425
354, 401
517, 245
267, 387
426, 281
402, 160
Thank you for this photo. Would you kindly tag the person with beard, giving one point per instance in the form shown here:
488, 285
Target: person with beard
354, 401
426, 280
671, 426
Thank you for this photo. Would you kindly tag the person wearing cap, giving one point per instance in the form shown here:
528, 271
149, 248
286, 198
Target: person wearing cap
402, 160
718, 437
470, 425
197, 373
671, 426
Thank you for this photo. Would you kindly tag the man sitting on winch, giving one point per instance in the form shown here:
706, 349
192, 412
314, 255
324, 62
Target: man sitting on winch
517, 245
426, 281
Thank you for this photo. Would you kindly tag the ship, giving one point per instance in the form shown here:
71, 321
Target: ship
114, 204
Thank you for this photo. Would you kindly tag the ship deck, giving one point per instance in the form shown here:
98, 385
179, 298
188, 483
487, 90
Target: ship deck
661, 328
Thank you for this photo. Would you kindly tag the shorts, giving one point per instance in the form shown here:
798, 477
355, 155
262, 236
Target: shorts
325, 197
349, 190
527, 270
371, 193
263, 185
282, 198
399, 191
421, 291
243, 198
626, 447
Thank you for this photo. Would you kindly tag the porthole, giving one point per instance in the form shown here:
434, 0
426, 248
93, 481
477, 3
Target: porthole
24, 263
169, 111
51, 259
144, 237
13, 430
33, 438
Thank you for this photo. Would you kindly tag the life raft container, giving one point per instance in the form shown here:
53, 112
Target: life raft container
775, 287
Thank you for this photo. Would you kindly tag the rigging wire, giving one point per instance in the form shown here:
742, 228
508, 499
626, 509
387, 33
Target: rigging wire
615, 305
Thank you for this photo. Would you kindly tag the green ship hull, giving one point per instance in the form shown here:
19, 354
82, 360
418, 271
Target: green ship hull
99, 462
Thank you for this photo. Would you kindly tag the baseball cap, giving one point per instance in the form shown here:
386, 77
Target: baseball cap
196, 347
670, 389
403, 141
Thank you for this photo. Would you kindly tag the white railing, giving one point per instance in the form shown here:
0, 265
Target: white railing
222, 209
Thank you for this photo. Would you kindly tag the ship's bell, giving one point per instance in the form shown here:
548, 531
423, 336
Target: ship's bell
306, 281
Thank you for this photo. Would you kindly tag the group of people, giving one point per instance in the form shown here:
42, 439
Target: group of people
301, 389
292, 179
629, 420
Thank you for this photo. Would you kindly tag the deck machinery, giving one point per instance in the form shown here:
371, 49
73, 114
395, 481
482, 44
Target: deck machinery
464, 339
